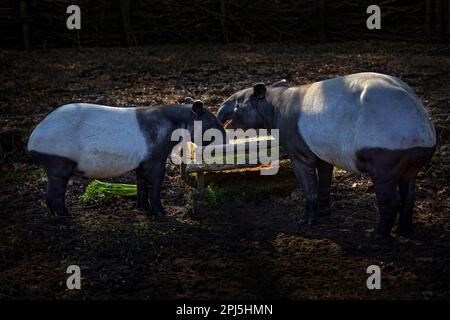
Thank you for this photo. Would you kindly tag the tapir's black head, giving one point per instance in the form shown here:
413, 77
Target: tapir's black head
208, 121
248, 108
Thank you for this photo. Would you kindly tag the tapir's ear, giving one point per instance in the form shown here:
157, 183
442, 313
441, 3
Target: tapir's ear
259, 90
188, 100
281, 83
197, 107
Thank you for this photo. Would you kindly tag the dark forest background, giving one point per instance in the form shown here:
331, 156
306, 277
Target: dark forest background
38, 24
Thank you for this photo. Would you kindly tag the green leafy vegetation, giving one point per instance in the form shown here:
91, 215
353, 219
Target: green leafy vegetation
214, 195
98, 191
21, 173
37, 174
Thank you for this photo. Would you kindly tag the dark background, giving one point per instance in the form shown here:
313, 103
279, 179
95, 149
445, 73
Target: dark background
243, 240
126, 22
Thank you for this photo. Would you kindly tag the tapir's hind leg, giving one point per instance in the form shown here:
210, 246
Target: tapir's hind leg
59, 170
407, 188
388, 200
383, 167
393, 173
413, 161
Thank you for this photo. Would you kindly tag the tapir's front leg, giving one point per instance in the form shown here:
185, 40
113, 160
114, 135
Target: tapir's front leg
143, 186
150, 176
156, 178
306, 175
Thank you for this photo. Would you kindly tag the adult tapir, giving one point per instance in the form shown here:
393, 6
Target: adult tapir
101, 142
365, 122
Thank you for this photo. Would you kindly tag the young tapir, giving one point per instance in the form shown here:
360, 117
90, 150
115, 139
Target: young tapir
364, 122
101, 142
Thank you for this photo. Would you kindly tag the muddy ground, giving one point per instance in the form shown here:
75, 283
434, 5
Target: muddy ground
245, 244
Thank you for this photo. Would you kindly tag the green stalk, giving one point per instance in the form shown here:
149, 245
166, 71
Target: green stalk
98, 190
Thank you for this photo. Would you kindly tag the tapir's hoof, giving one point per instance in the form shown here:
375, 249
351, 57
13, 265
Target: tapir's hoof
143, 208
406, 232
157, 213
380, 237
325, 212
63, 220
308, 219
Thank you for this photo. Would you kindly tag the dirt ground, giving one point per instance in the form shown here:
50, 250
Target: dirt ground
247, 246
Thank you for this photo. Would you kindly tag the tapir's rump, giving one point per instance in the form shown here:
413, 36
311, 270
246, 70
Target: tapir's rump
103, 141
343, 115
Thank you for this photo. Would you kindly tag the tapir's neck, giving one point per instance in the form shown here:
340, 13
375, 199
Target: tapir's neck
179, 115
285, 105
161, 121
275, 100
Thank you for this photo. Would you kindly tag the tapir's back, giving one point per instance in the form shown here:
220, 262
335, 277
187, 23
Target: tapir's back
103, 141
343, 115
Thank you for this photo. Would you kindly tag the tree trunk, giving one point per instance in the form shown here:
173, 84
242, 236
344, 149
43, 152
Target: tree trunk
128, 30
25, 24
448, 18
223, 20
438, 25
322, 21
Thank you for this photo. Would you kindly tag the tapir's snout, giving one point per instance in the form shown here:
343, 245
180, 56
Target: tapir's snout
229, 124
225, 111
224, 139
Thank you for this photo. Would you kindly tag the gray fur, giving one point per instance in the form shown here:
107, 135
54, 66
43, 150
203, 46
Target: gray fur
144, 143
360, 122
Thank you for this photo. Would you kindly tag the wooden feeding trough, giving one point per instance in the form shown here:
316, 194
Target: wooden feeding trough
244, 154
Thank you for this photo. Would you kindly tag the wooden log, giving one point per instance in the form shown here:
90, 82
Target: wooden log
183, 171
191, 168
235, 156
200, 180
237, 152
182, 165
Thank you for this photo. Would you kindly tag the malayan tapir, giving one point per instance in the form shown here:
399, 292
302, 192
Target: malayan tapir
101, 142
366, 122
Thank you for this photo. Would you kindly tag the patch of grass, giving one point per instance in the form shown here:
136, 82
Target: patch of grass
214, 195
141, 228
437, 160
21, 173
37, 174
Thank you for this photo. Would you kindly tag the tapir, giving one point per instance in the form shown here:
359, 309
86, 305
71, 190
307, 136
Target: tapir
102, 141
365, 122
